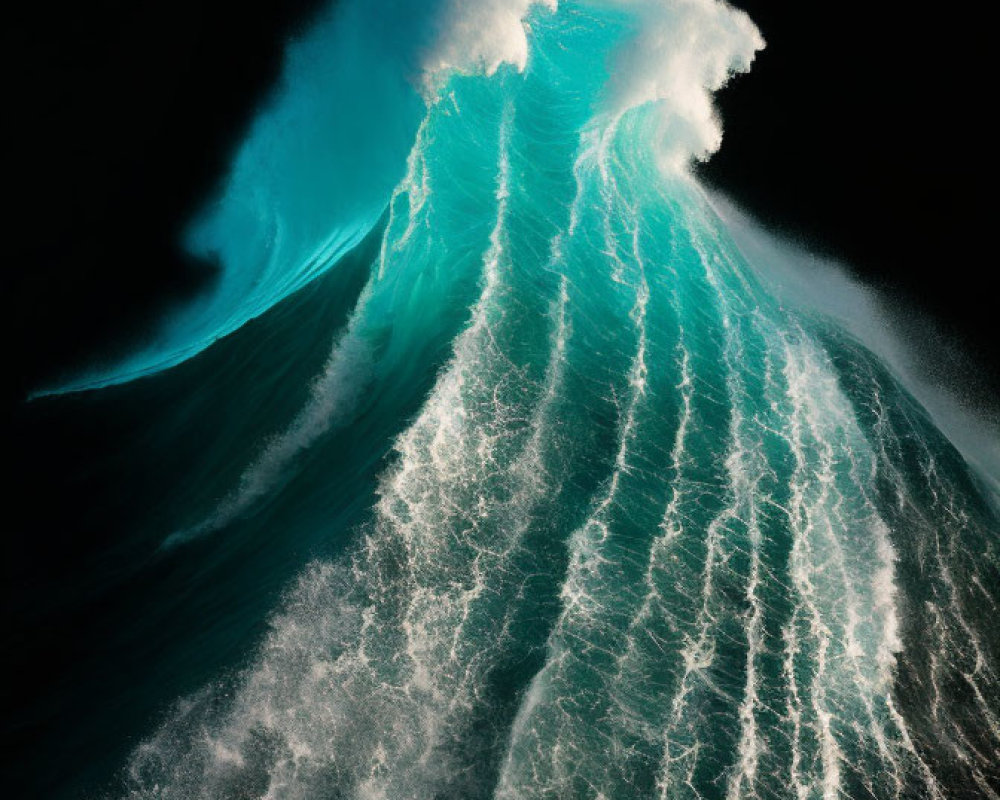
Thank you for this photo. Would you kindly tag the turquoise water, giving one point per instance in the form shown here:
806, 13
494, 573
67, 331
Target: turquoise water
545, 489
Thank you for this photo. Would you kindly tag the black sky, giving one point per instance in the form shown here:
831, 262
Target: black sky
862, 131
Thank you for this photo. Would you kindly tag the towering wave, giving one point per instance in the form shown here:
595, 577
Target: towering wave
656, 531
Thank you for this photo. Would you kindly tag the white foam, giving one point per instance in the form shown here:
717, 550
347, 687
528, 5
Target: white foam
681, 745
749, 745
475, 36
803, 517
544, 747
335, 393
682, 51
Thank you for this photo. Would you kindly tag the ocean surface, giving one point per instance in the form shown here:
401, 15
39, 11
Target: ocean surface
505, 460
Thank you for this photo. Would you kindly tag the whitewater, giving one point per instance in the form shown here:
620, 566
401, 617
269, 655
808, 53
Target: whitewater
647, 519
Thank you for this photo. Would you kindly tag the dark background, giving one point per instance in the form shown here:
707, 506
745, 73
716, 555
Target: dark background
125, 114
861, 131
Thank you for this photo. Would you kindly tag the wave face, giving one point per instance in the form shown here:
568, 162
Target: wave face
653, 531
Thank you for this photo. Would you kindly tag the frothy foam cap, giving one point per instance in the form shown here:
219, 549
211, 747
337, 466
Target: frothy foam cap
680, 53
476, 37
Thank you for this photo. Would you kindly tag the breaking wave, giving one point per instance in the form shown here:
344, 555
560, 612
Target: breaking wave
658, 528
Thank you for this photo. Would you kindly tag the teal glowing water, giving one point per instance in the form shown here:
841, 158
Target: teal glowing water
642, 528
310, 181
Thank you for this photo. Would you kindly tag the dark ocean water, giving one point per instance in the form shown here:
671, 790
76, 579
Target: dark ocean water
505, 461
